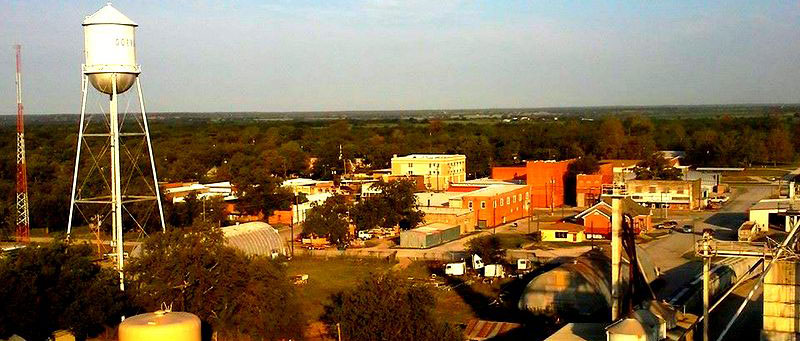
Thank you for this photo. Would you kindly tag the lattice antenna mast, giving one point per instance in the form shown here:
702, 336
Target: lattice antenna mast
23, 216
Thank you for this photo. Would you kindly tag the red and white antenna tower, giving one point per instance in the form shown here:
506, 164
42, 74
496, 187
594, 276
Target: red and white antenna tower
23, 218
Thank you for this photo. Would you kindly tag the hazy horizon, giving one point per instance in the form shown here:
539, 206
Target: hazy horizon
374, 55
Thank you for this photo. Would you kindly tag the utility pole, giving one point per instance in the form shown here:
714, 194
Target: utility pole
552, 194
23, 217
706, 281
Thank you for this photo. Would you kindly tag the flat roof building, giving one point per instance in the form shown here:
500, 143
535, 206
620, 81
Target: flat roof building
437, 170
430, 235
495, 205
673, 194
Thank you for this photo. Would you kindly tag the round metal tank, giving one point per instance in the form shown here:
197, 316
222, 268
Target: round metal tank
160, 326
110, 49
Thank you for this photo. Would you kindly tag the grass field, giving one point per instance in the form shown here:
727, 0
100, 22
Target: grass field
327, 276
331, 275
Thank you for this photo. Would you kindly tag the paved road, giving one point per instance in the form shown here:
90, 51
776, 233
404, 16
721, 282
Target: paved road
668, 252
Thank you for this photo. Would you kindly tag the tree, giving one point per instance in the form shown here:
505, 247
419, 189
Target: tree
238, 296
398, 204
329, 220
779, 145
612, 137
265, 197
385, 307
656, 167
57, 286
489, 248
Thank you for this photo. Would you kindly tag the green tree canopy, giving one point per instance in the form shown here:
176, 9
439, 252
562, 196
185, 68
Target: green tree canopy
385, 307
397, 204
57, 286
489, 248
238, 296
656, 167
265, 196
329, 220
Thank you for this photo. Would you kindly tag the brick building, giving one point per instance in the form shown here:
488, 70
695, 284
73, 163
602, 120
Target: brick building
544, 178
588, 187
597, 219
495, 205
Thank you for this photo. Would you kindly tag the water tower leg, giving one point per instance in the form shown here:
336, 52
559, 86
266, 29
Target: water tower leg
84, 84
116, 186
150, 152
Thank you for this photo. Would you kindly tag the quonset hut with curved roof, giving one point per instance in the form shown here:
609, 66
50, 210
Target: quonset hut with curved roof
580, 286
255, 238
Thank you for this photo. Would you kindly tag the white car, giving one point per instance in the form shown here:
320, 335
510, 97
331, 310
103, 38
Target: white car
364, 235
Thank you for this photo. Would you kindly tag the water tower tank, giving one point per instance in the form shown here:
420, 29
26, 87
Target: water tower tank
160, 326
109, 48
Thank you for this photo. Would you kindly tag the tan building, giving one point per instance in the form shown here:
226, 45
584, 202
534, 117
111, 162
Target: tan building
308, 186
674, 194
438, 170
463, 217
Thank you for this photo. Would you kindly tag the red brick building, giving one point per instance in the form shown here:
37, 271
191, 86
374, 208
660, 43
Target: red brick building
597, 219
589, 186
495, 205
544, 178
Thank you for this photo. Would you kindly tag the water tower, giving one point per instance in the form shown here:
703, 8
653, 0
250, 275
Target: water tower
110, 66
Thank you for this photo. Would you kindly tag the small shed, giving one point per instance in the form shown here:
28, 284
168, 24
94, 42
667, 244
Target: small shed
255, 238
430, 235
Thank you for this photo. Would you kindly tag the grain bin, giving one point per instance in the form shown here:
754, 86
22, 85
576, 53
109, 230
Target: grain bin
110, 48
160, 326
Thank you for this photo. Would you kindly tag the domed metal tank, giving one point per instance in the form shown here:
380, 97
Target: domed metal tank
160, 326
109, 49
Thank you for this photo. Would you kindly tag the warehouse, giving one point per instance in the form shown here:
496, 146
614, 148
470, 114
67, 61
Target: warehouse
430, 235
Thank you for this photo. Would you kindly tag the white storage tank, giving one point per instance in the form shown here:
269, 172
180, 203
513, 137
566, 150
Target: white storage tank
160, 326
110, 48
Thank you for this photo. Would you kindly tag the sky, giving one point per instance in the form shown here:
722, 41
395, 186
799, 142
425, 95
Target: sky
297, 55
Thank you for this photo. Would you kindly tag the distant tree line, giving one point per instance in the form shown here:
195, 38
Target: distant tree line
250, 152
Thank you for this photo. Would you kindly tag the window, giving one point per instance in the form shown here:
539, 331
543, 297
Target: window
501, 202
508, 200
483, 204
494, 203
561, 235
469, 204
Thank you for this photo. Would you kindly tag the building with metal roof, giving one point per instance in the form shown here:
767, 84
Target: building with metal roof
581, 285
255, 238
429, 235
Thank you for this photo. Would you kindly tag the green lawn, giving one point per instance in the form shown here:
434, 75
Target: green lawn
327, 276
330, 275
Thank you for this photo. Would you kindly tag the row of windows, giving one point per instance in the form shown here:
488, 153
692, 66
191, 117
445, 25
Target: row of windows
508, 200
653, 189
